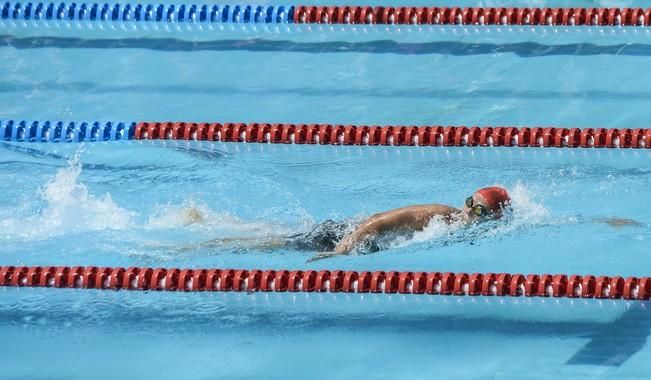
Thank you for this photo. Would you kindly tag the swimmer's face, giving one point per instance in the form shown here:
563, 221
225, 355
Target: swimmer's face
476, 210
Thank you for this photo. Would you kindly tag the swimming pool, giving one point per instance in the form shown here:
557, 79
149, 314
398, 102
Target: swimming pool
121, 203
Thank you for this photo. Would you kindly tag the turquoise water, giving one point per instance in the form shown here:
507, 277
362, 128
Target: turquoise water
124, 204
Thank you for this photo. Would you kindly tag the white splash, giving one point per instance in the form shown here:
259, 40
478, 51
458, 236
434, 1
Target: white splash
70, 203
436, 229
525, 212
69, 207
525, 208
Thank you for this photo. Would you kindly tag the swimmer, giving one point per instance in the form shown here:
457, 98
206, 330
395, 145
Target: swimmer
488, 203
376, 232
332, 238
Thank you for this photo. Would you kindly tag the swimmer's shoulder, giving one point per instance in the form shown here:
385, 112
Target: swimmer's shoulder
423, 210
433, 208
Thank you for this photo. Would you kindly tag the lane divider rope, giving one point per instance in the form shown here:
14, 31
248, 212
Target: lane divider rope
333, 281
472, 16
145, 12
327, 134
288, 14
59, 131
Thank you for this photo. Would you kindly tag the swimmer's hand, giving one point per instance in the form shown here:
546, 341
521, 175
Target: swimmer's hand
349, 242
324, 255
620, 222
345, 246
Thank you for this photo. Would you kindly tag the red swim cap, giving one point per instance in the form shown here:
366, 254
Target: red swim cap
496, 198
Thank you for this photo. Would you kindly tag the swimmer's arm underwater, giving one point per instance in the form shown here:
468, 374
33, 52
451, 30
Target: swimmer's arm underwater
614, 222
619, 222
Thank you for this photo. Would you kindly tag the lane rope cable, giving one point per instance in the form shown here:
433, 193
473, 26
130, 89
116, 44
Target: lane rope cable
300, 14
333, 281
327, 134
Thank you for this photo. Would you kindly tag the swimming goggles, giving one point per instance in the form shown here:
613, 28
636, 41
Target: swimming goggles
479, 210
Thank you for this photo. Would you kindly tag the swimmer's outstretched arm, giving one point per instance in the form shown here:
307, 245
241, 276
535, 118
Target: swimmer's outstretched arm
619, 222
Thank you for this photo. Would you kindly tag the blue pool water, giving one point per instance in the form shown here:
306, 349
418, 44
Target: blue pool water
125, 203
